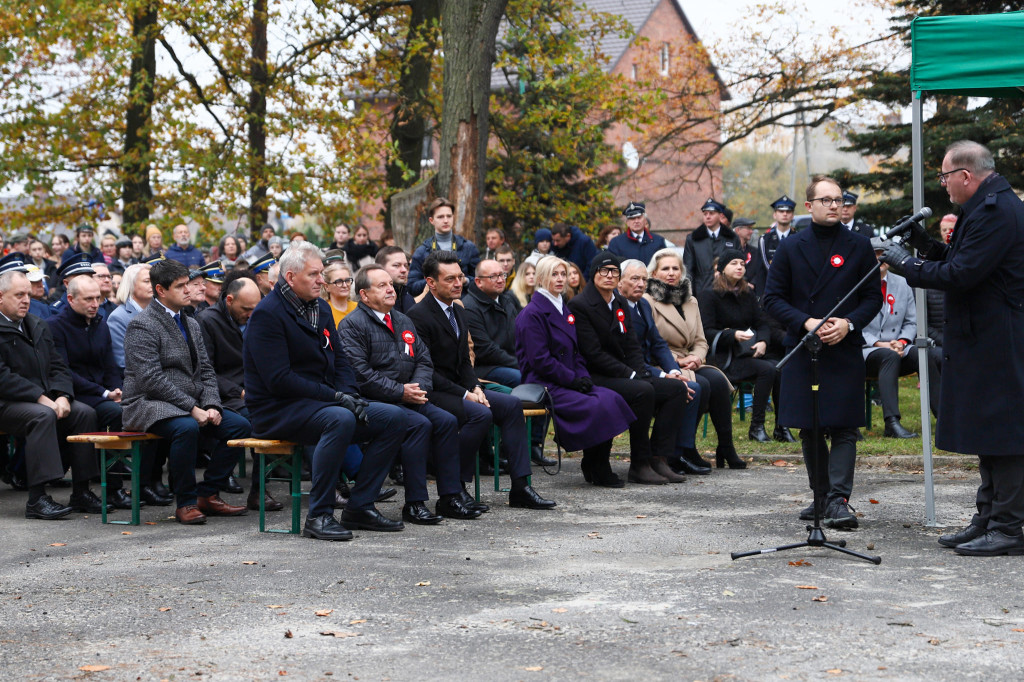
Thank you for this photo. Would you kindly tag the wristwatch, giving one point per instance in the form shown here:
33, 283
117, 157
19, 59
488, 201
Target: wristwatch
849, 323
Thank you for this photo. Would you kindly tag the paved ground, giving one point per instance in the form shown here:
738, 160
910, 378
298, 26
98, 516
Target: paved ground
612, 585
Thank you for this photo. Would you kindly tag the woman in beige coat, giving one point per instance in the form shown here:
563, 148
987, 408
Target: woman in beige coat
677, 318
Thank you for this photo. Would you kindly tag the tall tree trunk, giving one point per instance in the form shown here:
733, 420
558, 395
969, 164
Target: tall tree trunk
136, 191
257, 119
409, 121
468, 30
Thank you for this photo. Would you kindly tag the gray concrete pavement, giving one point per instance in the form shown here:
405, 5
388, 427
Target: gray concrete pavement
612, 585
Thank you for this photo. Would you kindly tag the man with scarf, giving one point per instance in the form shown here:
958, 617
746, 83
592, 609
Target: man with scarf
636, 242
441, 214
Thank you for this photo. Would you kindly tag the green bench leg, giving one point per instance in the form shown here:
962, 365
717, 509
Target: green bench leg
292, 462
241, 464
133, 458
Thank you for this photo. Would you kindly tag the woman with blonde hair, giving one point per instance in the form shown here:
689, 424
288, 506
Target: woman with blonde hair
338, 280
677, 317
523, 285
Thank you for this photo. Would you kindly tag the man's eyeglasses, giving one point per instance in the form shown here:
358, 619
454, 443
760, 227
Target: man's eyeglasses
828, 201
103, 277
942, 176
340, 282
608, 272
493, 278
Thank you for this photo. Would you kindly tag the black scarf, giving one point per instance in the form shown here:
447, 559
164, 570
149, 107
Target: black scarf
666, 293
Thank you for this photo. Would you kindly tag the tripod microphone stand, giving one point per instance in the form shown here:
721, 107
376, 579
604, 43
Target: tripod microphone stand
816, 536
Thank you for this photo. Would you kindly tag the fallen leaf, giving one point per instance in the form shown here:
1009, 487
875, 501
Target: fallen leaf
807, 587
559, 610
641, 516
324, 612
288, 634
357, 622
164, 608
820, 597
834, 671
935, 642
873, 501
58, 544
781, 463
282, 673
534, 668
594, 535
126, 532
423, 583
250, 563
1016, 629
728, 593
94, 668
150, 523
800, 562
275, 606
339, 635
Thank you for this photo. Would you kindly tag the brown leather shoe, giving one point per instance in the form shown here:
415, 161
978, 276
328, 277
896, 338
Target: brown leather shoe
644, 474
214, 506
189, 515
269, 503
661, 467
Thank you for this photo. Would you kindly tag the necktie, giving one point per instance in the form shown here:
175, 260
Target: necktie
387, 321
883, 289
451, 318
181, 326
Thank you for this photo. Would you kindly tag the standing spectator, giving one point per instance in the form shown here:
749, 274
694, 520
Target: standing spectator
441, 216
275, 245
847, 213
493, 240
396, 262
387, 238
507, 260
84, 235
19, 243
636, 242
182, 249
37, 252
522, 287
572, 245
262, 246
154, 242
230, 251
782, 214
138, 247
108, 247
705, 244
58, 245
341, 237
124, 258
606, 235
359, 250
541, 246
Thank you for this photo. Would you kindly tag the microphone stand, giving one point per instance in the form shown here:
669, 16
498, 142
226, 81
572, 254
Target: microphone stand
816, 536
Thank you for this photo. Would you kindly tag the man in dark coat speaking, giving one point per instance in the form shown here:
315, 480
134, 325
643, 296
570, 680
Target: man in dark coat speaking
811, 271
982, 272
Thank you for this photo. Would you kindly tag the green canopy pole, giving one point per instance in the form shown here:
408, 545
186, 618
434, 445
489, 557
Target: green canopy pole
922, 341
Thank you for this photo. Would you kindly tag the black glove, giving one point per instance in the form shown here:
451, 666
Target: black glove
355, 405
918, 237
895, 256
582, 385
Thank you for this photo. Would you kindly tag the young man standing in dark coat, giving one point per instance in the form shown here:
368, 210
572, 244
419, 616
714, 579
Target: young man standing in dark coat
705, 244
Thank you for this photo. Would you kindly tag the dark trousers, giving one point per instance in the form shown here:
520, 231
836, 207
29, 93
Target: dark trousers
332, 429
430, 431
1001, 493
507, 413
182, 435
889, 366
766, 380
716, 400
837, 464
688, 425
662, 399
47, 453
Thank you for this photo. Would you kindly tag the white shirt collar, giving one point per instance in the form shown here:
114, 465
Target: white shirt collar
379, 314
169, 311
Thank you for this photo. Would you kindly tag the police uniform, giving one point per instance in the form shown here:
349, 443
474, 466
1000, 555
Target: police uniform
702, 248
769, 243
78, 264
858, 226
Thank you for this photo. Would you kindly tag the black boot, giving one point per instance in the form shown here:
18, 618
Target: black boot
783, 434
687, 463
757, 432
727, 453
893, 429
537, 456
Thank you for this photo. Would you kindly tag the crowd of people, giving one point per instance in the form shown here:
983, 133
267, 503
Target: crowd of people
381, 363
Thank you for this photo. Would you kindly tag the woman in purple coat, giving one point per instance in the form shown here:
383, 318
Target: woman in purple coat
587, 417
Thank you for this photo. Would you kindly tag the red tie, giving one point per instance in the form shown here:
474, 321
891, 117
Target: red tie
387, 321
883, 292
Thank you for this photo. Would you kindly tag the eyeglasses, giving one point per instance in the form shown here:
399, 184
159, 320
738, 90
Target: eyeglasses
493, 278
103, 277
608, 272
942, 176
828, 201
340, 282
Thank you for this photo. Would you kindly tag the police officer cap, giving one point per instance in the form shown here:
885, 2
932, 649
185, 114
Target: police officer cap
211, 272
123, 242
782, 203
18, 238
84, 228
79, 264
604, 259
33, 273
334, 256
849, 198
13, 262
712, 205
152, 259
262, 264
634, 209
743, 222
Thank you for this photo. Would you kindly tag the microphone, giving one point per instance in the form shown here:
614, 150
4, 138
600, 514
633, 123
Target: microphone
905, 224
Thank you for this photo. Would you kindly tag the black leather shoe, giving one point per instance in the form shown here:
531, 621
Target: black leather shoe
306, 474
783, 434
839, 515
87, 503
417, 512
537, 456
269, 503
893, 429
369, 519
232, 486
18, 481
120, 499
46, 508
993, 543
693, 457
325, 527
681, 466
162, 490
527, 498
471, 503
964, 535
343, 489
386, 494
397, 475
807, 513
149, 495
339, 501
452, 507
601, 475
757, 432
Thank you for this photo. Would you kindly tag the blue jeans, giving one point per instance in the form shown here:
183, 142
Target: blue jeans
182, 435
506, 376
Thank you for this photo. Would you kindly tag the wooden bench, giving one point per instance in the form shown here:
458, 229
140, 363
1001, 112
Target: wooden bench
530, 415
273, 453
121, 446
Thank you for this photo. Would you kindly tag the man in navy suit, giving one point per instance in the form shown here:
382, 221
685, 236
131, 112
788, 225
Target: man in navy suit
811, 270
442, 326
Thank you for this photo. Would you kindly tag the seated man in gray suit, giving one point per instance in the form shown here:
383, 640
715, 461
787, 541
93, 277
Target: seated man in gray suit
170, 389
889, 350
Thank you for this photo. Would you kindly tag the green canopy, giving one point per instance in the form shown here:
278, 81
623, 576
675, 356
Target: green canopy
979, 55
